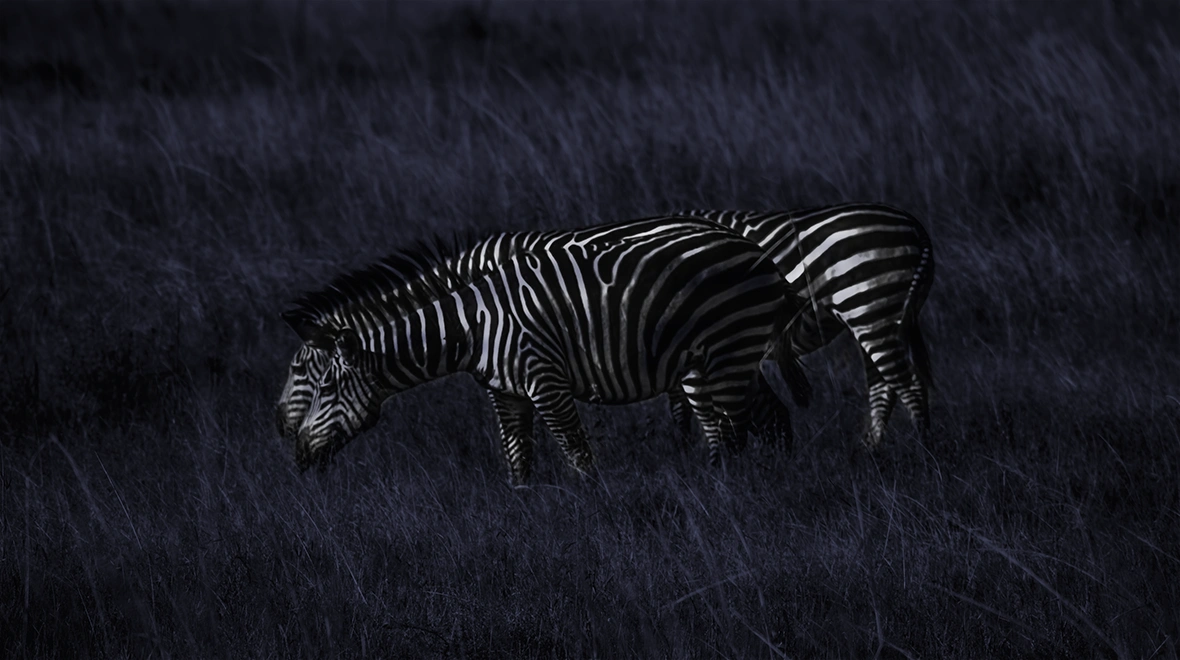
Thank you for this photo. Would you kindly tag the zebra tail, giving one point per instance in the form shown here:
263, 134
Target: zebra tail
781, 370
911, 330
798, 382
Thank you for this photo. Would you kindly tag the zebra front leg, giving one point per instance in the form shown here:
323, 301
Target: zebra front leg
556, 407
681, 413
515, 417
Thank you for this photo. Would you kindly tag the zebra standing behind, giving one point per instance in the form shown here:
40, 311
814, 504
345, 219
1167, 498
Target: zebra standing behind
611, 314
864, 267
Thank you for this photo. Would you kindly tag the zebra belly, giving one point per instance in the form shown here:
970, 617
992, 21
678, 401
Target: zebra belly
605, 382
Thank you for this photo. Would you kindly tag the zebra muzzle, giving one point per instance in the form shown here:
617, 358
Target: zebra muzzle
286, 430
309, 453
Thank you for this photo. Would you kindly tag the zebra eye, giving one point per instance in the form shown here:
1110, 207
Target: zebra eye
328, 378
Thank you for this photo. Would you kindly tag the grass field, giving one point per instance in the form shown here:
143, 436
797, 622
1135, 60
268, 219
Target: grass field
172, 174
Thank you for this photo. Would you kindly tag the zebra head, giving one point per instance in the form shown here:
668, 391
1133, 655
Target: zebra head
334, 396
306, 369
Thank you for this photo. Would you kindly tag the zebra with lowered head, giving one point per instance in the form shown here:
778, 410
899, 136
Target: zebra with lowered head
610, 314
770, 417
858, 266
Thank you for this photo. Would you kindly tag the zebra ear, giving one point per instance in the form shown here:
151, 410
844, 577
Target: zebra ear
312, 333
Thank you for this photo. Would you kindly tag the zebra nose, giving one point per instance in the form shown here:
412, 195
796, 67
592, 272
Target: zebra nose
303, 458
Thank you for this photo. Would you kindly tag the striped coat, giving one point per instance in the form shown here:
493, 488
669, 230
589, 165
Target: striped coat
610, 314
860, 267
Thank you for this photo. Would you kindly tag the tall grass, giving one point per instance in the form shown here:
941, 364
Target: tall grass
172, 173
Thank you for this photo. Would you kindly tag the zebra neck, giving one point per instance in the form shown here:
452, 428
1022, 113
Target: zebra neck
435, 340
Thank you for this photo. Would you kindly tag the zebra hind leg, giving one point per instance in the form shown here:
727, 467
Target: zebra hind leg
515, 417
894, 372
915, 394
895, 353
914, 397
891, 375
881, 401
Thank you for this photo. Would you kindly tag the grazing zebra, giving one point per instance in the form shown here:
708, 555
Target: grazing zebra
307, 368
865, 267
610, 314
770, 417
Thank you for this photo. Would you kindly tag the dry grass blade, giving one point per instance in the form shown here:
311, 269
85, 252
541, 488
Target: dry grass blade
1074, 609
985, 607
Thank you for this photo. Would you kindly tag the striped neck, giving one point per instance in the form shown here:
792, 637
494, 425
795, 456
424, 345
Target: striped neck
437, 339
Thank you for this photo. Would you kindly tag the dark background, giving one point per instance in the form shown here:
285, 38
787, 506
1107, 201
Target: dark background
174, 173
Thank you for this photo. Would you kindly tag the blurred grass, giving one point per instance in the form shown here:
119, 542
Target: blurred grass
171, 174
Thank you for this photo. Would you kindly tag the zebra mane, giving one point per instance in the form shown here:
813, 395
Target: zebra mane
397, 284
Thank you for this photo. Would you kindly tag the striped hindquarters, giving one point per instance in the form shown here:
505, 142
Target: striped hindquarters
865, 267
862, 263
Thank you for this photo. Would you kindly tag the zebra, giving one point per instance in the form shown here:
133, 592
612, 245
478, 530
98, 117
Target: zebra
770, 418
861, 266
307, 368
609, 314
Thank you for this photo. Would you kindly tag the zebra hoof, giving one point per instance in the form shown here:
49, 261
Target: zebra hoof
588, 475
779, 438
925, 435
776, 433
583, 464
518, 478
871, 441
715, 458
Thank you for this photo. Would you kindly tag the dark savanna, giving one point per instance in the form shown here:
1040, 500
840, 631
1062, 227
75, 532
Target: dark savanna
173, 174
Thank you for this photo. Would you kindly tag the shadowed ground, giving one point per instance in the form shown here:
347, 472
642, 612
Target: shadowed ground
172, 174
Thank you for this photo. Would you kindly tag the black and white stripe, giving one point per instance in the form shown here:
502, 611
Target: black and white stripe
611, 314
864, 267
307, 368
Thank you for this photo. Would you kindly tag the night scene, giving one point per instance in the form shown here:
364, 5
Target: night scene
589, 329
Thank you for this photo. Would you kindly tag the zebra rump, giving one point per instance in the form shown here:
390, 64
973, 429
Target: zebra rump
862, 267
